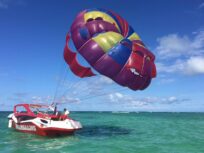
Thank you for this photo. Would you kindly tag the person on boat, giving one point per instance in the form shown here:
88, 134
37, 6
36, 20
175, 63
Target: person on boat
64, 115
55, 111
66, 112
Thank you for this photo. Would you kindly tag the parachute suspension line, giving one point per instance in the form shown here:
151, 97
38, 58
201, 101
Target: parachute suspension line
86, 90
81, 94
83, 90
88, 96
73, 87
74, 66
102, 94
60, 81
73, 84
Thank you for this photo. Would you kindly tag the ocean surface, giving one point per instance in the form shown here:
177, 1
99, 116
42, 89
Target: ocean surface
114, 132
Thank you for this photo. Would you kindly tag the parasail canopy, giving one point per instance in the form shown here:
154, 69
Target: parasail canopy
111, 47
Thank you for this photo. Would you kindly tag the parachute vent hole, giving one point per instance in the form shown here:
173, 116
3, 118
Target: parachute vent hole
90, 19
99, 18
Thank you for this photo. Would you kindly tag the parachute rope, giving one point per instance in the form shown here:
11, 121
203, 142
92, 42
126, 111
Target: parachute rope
60, 81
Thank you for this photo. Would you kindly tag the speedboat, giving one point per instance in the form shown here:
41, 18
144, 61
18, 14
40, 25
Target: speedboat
43, 120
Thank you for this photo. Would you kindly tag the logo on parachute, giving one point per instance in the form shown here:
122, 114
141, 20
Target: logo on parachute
133, 70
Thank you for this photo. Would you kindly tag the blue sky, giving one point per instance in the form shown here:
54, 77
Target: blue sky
32, 69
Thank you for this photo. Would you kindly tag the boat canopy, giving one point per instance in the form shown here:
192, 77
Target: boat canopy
31, 109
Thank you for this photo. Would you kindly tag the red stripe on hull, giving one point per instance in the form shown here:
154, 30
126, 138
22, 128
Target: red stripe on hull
43, 131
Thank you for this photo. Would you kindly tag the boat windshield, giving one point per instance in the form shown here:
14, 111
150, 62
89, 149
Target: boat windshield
45, 109
21, 109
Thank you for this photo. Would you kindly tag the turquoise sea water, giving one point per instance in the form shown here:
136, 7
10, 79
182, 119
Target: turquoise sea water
106, 132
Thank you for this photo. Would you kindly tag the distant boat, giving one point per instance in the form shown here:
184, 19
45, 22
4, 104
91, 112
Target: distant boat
33, 120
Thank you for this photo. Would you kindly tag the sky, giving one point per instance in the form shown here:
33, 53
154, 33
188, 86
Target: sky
32, 68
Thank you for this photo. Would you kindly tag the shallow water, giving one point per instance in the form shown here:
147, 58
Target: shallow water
106, 132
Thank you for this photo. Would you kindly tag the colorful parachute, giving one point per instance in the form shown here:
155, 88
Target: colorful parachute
110, 45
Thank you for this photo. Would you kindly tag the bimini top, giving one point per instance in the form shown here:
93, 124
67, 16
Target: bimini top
35, 110
29, 106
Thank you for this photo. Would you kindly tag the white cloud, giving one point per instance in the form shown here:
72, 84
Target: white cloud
41, 99
131, 101
195, 65
175, 67
111, 97
116, 97
105, 80
167, 80
119, 95
201, 5
4, 4
163, 78
67, 100
173, 45
192, 66
170, 100
89, 87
